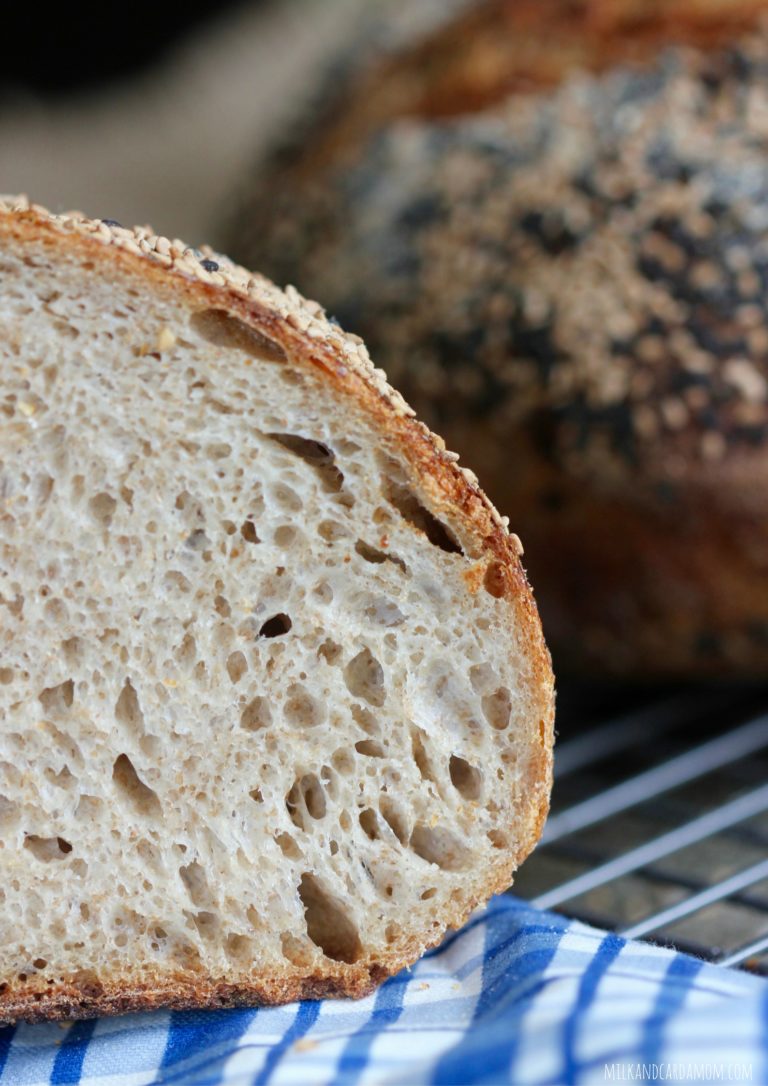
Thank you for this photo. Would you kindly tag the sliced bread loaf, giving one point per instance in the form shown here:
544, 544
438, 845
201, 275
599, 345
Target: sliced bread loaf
275, 706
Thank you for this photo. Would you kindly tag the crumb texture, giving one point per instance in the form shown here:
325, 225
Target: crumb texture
260, 716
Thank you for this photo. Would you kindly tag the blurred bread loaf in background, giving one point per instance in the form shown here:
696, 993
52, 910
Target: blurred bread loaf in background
550, 223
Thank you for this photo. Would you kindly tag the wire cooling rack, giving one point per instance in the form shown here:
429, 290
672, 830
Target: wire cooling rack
659, 823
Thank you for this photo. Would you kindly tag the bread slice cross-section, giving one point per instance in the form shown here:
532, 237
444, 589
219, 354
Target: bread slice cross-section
275, 706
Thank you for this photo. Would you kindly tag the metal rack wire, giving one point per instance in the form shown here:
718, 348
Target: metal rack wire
659, 824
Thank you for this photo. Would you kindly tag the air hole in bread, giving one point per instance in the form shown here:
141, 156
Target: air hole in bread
239, 948
221, 606
419, 517
186, 653
276, 626
285, 535
343, 761
257, 714
6, 675
102, 507
248, 532
197, 540
89, 808
57, 699
128, 709
330, 651
207, 923
287, 497
369, 823
288, 846
497, 708
328, 777
46, 849
193, 877
429, 893
393, 815
376, 557
495, 580
323, 592
73, 649
56, 612
332, 530
465, 778
295, 950
383, 612
302, 709
8, 810
317, 455
256, 795
366, 720
223, 634
141, 797
328, 925
237, 665
420, 755
498, 839
439, 846
306, 796
225, 330
364, 677
15, 605
370, 748
482, 677
175, 579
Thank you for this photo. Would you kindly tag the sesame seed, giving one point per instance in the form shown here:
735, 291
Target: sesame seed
165, 339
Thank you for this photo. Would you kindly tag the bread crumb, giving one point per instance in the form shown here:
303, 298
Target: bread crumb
304, 1044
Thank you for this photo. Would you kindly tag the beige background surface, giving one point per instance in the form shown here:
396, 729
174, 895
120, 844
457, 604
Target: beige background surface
172, 147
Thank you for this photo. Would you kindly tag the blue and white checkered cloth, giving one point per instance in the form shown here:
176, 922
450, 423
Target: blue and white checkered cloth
517, 996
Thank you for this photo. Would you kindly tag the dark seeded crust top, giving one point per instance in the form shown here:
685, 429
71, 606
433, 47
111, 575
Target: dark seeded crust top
598, 254
298, 328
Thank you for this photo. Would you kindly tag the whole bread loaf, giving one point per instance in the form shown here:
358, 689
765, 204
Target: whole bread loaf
550, 222
275, 706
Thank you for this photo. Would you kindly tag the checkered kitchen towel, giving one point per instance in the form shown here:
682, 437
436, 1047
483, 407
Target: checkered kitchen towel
517, 996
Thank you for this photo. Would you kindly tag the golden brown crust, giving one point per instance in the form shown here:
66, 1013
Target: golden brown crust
299, 329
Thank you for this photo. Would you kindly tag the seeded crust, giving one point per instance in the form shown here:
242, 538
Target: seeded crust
298, 330
568, 283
